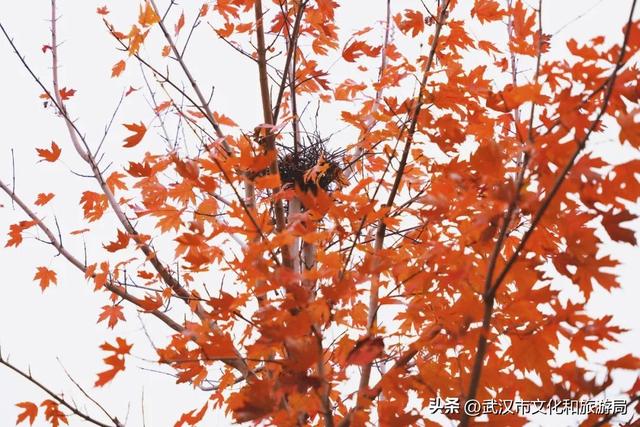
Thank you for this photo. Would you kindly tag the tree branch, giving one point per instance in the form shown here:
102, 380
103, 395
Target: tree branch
490, 292
187, 72
380, 233
269, 140
111, 286
59, 398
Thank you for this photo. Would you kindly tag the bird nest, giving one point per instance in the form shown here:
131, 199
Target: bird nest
312, 166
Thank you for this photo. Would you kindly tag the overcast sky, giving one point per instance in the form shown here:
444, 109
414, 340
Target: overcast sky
38, 329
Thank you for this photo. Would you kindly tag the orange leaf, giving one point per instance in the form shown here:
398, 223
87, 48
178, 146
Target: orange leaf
192, 417
113, 313
413, 22
180, 24
148, 16
114, 181
359, 48
44, 198
49, 155
46, 277
224, 120
629, 128
121, 243
207, 211
93, 205
30, 411
243, 28
145, 275
139, 170
118, 68
136, 38
487, 46
496, 101
627, 361
227, 8
487, 11
138, 133
348, 89
257, 402
99, 279
219, 348
15, 232
116, 360
225, 31
161, 107
53, 414
365, 351
75, 232
522, 25
150, 303
316, 172
170, 218
102, 10
268, 181
518, 95
611, 223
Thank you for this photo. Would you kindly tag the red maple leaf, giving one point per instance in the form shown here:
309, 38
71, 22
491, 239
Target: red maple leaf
66, 93
365, 351
359, 48
30, 411
49, 155
120, 243
116, 360
46, 277
53, 414
44, 198
113, 313
138, 133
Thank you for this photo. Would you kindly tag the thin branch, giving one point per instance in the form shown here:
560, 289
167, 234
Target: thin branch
111, 286
380, 233
243, 203
59, 397
95, 402
13, 177
269, 117
293, 45
178, 56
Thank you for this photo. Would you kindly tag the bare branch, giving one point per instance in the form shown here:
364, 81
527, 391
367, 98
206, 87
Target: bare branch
59, 398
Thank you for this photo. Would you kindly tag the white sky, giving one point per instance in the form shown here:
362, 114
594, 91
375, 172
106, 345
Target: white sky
36, 329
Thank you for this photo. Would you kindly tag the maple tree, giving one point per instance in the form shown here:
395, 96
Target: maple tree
420, 257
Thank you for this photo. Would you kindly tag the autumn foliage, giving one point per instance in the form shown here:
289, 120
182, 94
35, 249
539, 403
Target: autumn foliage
348, 280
